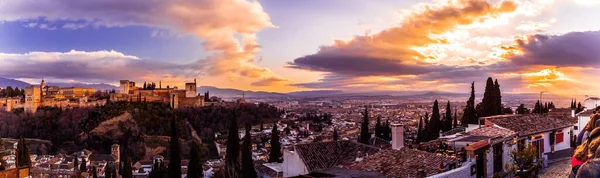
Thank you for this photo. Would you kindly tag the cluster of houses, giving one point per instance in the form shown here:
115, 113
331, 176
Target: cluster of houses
487, 147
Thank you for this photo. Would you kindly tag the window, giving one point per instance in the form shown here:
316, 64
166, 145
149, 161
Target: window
560, 137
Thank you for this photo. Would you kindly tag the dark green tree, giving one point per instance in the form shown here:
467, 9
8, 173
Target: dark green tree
23, 154
364, 129
232, 158
426, 120
174, 151
469, 113
83, 166
335, 135
194, 166
261, 126
275, 155
455, 124
522, 109
378, 128
537, 109
419, 131
498, 99
248, 170
76, 163
126, 171
489, 105
435, 124
579, 108
448, 121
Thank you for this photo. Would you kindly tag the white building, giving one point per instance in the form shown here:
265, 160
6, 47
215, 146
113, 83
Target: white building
591, 102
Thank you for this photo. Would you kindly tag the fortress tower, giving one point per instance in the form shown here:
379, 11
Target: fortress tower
190, 89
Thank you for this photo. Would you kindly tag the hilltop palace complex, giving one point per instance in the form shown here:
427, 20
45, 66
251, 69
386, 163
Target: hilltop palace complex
42, 95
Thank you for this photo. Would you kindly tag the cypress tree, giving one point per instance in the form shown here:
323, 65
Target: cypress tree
426, 121
126, 169
275, 155
23, 154
248, 170
378, 128
261, 126
489, 101
448, 117
364, 129
335, 135
419, 131
537, 108
455, 124
469, 113
174, 152
388, 131
195, 166
76, 163
498, 99
232, 158
83, 166
435, 124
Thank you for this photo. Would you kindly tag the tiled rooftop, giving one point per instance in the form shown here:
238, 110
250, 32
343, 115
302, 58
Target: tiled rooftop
401, 163
530, 124
322, 155
492, 132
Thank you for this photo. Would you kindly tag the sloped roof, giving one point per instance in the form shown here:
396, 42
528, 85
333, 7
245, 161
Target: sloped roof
401, 163
477, 145
322, 155
492, 132
530, 123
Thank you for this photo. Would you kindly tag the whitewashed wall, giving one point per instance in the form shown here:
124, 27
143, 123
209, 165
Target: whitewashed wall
292, 164
463, 172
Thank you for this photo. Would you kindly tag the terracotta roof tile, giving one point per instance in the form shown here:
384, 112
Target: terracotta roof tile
401, 163
477, 145
529, 124
322, 155
492, 132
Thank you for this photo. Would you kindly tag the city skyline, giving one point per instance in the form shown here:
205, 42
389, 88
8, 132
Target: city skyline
284, 46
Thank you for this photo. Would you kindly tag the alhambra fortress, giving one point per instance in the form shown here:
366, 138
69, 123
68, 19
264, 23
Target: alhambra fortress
41, 95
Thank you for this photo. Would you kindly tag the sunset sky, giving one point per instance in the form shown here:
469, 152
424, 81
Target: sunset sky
294, 45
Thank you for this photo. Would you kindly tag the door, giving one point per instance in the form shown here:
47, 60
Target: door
539, 144
498, 151
480, 164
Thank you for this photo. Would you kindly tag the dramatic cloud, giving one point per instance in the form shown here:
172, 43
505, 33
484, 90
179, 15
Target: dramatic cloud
218, 22
96, 66
392, 51
270, 81
575, 49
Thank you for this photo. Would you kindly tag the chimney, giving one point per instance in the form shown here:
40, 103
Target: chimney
397, 136
572, 113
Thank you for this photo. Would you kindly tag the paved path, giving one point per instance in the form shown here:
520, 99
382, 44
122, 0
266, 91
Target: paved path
560, 168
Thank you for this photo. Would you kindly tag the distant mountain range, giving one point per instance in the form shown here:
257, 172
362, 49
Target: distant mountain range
4, 82
98, 87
